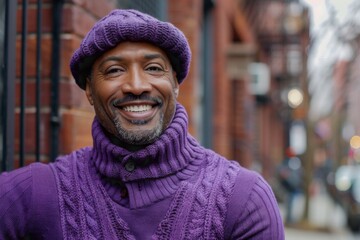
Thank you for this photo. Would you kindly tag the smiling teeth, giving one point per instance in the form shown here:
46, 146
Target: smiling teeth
137, 108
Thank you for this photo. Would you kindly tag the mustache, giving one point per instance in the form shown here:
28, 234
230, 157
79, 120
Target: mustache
132, 97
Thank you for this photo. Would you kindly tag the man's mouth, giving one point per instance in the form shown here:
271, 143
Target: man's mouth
137, 108
132, 103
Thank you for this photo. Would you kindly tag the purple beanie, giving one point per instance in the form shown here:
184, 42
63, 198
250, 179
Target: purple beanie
130, 25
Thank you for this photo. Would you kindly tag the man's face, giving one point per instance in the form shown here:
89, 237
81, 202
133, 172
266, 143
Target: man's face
133, 90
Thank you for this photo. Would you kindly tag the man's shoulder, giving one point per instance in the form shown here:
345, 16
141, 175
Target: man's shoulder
30, 171
72, 157
241, 171
38, 169
68, 166
248, 175
243, 181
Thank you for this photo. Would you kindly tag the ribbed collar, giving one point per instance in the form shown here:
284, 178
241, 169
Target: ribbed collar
172, 152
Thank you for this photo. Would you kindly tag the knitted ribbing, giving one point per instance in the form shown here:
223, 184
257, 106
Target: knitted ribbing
200, 181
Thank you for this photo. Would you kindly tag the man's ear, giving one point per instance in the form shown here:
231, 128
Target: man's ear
176, 85
89, 92
176, 91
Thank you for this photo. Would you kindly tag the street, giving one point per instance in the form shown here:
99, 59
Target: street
327, 220
296, 234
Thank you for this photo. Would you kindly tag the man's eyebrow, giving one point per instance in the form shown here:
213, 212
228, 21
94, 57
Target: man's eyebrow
111, 58
154, 55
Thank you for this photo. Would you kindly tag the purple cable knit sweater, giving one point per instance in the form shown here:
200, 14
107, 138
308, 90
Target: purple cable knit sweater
172, 189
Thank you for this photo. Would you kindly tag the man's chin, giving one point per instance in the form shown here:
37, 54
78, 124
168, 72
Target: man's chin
139, 138
138, 135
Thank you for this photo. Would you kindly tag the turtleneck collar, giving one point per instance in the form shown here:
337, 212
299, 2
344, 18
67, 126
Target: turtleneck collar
170, 153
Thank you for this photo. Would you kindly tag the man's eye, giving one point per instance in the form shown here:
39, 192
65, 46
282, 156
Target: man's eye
111, 71
154, 69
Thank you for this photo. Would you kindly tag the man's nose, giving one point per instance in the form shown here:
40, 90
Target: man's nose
136, 83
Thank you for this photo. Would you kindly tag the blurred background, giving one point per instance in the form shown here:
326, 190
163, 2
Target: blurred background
274, 85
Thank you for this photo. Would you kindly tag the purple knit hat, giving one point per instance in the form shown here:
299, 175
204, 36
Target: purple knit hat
130, 25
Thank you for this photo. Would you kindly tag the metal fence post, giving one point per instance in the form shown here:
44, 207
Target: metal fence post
9, 86
55, 79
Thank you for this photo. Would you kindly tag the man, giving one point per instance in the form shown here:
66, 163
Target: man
145, 177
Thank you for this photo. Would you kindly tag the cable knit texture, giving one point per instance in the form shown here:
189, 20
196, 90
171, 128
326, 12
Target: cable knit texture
175, 164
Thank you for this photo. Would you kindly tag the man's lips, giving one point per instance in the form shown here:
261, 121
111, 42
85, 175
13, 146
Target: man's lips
138, 113
136, 103
138, 110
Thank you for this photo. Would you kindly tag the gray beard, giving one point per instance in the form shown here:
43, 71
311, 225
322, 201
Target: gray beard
139, 137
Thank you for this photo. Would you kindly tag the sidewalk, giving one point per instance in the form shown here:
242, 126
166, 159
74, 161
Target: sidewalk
324, 214
298, 234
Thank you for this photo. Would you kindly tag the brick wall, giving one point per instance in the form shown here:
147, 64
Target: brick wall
242, 123
222, 89
30, 68
187, 16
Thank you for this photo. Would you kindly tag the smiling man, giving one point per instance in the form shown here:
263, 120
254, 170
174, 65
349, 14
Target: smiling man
145, 177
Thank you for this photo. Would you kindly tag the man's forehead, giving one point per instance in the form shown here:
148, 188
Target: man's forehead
139, 49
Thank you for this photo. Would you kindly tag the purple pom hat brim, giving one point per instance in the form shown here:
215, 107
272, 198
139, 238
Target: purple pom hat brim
130, 25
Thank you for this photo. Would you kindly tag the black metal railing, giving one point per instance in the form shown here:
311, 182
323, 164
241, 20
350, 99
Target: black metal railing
23, 78
8, 83
55, 79
38, 78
